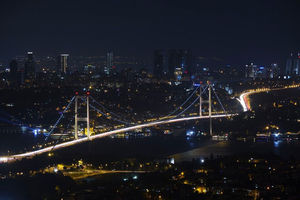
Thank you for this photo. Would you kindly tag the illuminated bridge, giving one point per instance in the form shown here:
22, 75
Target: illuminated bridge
171, 118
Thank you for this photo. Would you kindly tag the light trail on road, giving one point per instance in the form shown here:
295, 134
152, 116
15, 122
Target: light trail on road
244, 100
77, 175
11, 158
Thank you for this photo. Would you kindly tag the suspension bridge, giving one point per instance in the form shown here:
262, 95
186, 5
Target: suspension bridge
89, 101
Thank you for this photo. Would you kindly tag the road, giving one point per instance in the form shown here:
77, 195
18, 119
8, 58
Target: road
76, 175
244, 97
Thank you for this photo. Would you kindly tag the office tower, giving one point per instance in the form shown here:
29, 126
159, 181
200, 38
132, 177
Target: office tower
289, 65
62, 66
261, 72
109, 63
30, 71
297, 64
250, 71
159, 63
173, 62
188, 61
13, 66
274, 71
293, 65
21, 61
180, 63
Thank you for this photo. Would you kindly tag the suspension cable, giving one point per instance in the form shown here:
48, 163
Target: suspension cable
99, 111
61, 135
104, 108
187, 107
60, 117
185, 101
114, 119
219, 101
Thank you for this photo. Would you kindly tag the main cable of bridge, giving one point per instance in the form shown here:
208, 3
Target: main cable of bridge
183, 102
60, 118
112, 118
67, 127
103, 113
203, 91
219, 100
108, 111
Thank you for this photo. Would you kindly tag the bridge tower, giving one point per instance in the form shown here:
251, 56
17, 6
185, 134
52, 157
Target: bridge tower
200, 99
209, 105
209, 108
76, 116
87, 118
88, 114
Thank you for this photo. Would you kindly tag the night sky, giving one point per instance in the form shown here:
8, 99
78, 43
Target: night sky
236, 31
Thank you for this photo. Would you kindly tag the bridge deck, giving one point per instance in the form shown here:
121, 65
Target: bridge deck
105, 134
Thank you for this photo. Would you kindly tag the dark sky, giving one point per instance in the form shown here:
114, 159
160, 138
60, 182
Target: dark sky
237, 31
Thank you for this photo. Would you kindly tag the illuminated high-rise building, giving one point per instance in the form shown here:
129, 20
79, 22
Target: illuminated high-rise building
30, 70
179, 63
109, 63
159, 63
63, 64
293, 65
176, 63
250, 71
13, 66
274, 71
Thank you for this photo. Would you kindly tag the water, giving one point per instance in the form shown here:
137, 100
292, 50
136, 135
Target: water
285, 150
178, 147
13, 139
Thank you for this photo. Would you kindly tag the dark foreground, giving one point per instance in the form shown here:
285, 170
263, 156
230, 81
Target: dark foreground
222, 177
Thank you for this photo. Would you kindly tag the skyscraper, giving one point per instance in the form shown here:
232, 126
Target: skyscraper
180, 63
13, 66
159, 63
274, 71
62, 67
293, 65
250, 71
109, 63
30, 71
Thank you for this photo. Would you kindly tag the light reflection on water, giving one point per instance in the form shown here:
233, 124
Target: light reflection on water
181, 148
277, 143
280, 148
